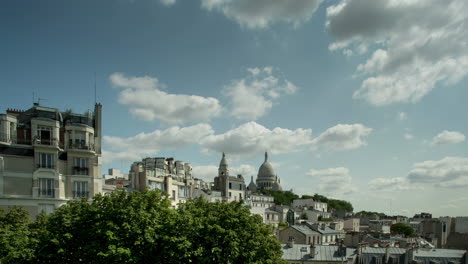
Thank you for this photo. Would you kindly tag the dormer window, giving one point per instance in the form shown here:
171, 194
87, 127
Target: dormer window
44, 134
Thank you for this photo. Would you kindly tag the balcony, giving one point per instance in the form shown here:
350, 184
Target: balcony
45, 141
80, 145
45, 166
5, 138
46, 193
79, 170
78, 195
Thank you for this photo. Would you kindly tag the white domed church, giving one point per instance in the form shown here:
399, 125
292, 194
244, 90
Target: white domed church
266, 178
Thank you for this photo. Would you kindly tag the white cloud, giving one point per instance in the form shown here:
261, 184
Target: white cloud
252, 138
261, 14
390, 184
148, 102
332, 181
342, 137
208, 172
408, 136
167, 2
148, 144
402, 116
253, 96
415, 53
448, 137
449, 172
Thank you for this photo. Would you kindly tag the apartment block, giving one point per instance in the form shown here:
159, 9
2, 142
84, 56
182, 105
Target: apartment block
48, 157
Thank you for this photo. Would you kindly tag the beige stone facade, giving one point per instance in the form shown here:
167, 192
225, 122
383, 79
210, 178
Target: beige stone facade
48, 157
174, 178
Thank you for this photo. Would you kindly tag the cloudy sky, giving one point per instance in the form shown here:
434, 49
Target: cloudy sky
361, 100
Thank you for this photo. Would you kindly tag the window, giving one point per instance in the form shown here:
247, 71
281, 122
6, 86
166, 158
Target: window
46, 187
173, 194
240, 196
44, 135
157, 186
46, 161
230, 186
80, 138
80, 166
81, 189
229, 194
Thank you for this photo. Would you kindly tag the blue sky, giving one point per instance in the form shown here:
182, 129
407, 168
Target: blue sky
361, 100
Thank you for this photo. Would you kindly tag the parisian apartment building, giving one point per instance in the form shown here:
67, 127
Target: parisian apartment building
48, 157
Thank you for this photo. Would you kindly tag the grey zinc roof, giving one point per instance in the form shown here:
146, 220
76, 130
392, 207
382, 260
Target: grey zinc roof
381, 250
323, 253
305, 230
442, 256
440, 252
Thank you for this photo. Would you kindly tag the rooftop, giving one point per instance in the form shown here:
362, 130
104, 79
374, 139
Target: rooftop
322, 253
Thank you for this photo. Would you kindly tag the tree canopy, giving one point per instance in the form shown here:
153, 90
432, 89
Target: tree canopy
281, 197
287, 197
138, 227
402, 228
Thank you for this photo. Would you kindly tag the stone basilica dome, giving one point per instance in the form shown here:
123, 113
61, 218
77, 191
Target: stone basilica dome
266, 170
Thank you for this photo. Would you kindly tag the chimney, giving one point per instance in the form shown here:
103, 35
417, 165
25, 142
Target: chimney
387, 253
290, 242
97, 127
312, 251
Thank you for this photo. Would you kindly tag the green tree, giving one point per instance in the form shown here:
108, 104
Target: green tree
17, 239
401, 228
119, 228
281, 197
140, 227
224, 233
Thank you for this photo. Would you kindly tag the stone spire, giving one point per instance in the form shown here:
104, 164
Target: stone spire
223, 167
266, 156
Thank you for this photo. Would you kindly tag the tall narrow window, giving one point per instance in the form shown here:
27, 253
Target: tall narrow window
46, 187
81, 189
80, 166
46, 160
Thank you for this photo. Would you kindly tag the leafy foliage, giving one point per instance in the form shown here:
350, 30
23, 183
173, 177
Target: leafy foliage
138, 227
401, 228
18, 236
369, 213
281, 197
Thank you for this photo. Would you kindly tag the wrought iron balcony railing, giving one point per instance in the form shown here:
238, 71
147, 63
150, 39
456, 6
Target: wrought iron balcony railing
46, 193
80, 194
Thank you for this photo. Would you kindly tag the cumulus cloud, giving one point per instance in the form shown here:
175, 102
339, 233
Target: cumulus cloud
208, 172
449, 172
402, 116
252, 138
148, 144
342, 137
167, 2
390, 184
332, 181
415, 53
408, 136
147, 101
448, 137
261, 14
253, 96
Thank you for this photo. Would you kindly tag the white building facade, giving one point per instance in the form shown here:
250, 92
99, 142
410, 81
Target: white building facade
48, 157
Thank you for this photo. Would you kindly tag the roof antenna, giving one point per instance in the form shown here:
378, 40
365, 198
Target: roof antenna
95, 100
